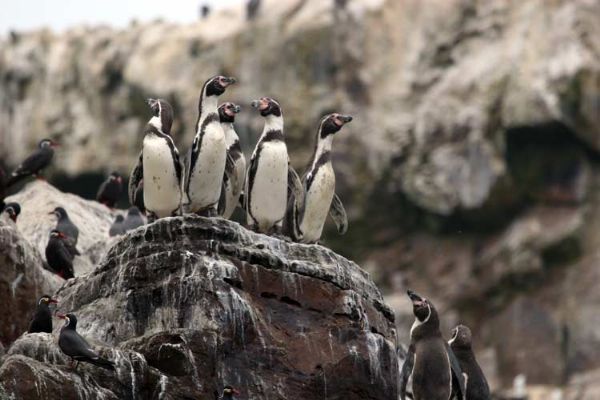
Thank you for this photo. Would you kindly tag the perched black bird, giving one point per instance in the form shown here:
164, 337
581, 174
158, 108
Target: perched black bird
13, 210
228, 393
133, 220
60, 253
66, 226
75, 346
35, 163
477, 386
117, 226
110, 190
42, 319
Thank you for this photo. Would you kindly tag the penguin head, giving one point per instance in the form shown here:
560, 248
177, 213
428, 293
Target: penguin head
45, 143
46, 300
332, 123
216, 85
70, 320
227, 112
56, 234
230, 391
162, 115
267, 106
426, 317
13, 210
59, 212
115, 177
461, 337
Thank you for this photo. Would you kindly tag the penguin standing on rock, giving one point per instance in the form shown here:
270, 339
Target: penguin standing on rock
12, 210
110, 190
306, 217
75, 346
60, 253
42, 319
205, 164
477, 386
35, 163
436, 374
235, 165
66, 226
158, 165
269, 174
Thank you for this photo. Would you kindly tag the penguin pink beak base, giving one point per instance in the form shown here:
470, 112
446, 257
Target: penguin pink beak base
415, 298
261, 104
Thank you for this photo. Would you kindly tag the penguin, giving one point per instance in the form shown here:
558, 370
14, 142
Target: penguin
75, 346
306, 217
235, 165
35, 163
67, 227
477, 386
436, 374
12, 210
110, 190
117, 226
158, 165
60, 254
133, 219
269, 174
42, 319
206, 159
228, 393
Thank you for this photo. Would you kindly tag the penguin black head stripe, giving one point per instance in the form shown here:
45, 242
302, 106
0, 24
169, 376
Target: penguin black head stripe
13, 210
267, 106
227, 112
461, 337
426, 317
216, 85
163, 111
332, 123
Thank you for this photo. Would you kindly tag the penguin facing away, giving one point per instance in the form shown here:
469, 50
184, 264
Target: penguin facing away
235, 165
110, 190
206, 159
434, 369
158, 165
75, 346
306, 217
461, 345
12, 210
269, 174
35, 163
42, 319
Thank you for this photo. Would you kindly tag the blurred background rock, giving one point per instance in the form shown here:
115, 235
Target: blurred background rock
470, 171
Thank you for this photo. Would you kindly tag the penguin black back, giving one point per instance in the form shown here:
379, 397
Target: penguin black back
461, 345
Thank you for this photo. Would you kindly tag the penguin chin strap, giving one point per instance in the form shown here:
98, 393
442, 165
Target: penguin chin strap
418, 323
453, 337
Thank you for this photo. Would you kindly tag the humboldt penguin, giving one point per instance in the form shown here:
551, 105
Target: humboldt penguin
35, 163
205, 163
235, 165
306, 217
269, 174
158, 165
60, 254
75, 346
12, 210
133, 220
66, 226
436, 374
42, 319
110, 190
477, 386
117, 226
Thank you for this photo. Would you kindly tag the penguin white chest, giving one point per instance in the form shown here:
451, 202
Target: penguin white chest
269, 188
162, 193
207, 174
317, 203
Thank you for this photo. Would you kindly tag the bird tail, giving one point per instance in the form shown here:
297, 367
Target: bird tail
104, 363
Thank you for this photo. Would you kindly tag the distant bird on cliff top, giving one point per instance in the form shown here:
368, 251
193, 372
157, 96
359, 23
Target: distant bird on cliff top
477, 386
235, 165
158, 165
42, 319
66, 226
35, 163
110, 190
75, 346
133, 220
228, 393
60, 253
12, 210
117, 226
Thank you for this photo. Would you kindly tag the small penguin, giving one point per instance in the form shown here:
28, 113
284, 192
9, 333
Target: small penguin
117, 228
110, 190
235, 166
158, 165
306, 217
205, 163
477, 386
35, 163
66, 226
12, 210
75, 346
60, 254
436, 374
269, 174
133, 220
42, 319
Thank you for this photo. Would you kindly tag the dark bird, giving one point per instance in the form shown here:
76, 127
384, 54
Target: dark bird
75, 346
461, 342
133, 220
252, 7
228, 393
35, 163
60, 253
42, 319
66, 226
117, 226
110, 190
13, 210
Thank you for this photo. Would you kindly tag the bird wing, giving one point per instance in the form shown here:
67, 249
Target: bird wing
338, 214
135, 178
70, 245
249, 181
407, 368
32, 164
74, 345
458, 380
101, 190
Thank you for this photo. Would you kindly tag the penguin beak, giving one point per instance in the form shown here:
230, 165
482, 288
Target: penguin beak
260, 104
345, 118
226, 81
415, 298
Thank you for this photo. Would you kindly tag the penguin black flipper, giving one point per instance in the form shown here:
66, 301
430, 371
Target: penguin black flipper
459, 390
223, 197
407, 368
295, 187
338, 214
136, 176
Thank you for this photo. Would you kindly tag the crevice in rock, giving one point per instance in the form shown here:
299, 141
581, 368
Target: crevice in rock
288, 300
